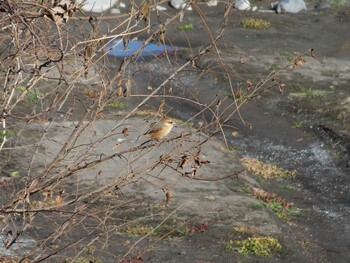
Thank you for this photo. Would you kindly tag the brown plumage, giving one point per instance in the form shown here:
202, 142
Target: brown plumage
160, 129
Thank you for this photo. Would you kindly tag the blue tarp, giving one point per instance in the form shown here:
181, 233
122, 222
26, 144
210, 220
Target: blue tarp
151, 49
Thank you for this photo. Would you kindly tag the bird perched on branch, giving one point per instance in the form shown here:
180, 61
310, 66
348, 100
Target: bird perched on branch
160, 129
157, 131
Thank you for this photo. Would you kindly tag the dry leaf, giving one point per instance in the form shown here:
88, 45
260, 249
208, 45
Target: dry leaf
61, 12
47, 192
116, 146
145, 10
161, 106
299, 61
241, 61
119, 92
168, 195
281, 87
128, 87
91, 93
125, 132
249, 84
312, 53
99, 173
58, 200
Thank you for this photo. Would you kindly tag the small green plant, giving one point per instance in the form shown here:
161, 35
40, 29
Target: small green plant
84, 260
277, 208
281, 207
302, 92
185, 27
297, 125
8, 133
339, 3
256, 245
255, 206
337, 117
288, 187
228, 246
183, 231
139, 230
31, 95
253, 23
117, 105
286, 55
274, 67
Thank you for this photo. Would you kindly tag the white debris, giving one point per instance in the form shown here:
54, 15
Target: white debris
161, 8
97, 6
115, 11
242, 5
212, 3
179, 4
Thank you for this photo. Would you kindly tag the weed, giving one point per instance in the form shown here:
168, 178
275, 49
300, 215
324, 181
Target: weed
31, 95
302, 92
255, 206
84, 260
281, 207
256, 245
185, 27
183, 231
288, 187
274, 67
337, 117
286, 55
339, 3
297, 125
245, 229
139, 230
253, 23
8, 133
117, 105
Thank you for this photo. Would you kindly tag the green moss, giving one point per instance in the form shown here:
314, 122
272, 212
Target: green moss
288, 187
339, 3
255, 206
117, 105
31, 95
286, 55
139, 230
256, 245
253, 23
302, 92
8, 133
185, 27
84, 260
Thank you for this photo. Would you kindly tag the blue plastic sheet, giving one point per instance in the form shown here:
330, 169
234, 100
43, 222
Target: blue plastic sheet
151, 49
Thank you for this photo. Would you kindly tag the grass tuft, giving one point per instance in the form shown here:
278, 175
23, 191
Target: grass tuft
253, 23
256, 245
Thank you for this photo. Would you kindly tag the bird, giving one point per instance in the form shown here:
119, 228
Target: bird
157, 131
160, 129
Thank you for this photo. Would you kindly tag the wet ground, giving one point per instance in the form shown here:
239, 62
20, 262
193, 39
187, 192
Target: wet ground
305, 128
